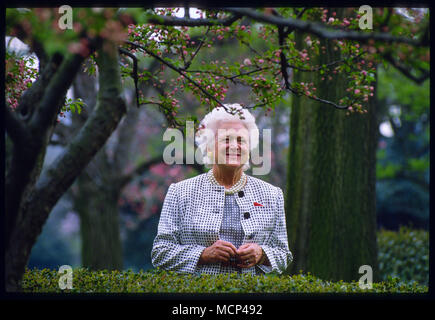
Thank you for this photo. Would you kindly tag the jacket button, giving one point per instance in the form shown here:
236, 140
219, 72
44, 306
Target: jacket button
241, 194
246, 215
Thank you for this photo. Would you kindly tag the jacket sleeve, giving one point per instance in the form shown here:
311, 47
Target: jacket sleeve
276, 246
168, 253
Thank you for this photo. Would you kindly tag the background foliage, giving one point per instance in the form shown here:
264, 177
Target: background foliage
404, 254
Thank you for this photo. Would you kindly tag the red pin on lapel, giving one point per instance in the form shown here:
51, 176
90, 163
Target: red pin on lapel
256, 204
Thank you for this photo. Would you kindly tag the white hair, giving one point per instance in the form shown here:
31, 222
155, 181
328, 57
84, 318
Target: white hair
206, 132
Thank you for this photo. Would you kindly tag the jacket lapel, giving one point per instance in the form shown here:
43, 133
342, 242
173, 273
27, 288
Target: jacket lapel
246, 210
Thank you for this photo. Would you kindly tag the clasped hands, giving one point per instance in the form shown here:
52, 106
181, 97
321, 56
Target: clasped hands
247, 255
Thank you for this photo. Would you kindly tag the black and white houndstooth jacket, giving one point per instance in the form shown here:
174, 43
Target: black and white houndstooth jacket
191, 218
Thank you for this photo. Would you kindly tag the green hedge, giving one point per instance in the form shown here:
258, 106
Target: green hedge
85, 281
404, 255
403, 264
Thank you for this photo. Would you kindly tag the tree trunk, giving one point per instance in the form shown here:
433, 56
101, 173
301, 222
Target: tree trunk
96, 202
330, 201
97, 206
54, 180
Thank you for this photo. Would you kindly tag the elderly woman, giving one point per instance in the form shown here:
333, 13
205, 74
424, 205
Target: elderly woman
223, 221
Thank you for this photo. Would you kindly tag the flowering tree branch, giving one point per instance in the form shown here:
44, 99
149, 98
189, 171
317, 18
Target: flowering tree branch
260, 84
178, 70
285, 66
321, 31
201, 43
134, 71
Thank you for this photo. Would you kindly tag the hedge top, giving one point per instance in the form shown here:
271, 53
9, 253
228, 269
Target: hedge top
158, 281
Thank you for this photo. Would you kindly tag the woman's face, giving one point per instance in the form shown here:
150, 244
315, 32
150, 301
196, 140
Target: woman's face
231, 144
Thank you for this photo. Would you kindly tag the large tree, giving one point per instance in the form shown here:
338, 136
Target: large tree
32, 193
331, 199
331, 178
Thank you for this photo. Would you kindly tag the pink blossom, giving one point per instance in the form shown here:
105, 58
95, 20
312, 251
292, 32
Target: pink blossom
247, 62
356, 91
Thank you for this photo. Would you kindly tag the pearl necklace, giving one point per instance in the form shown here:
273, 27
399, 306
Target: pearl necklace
235, 188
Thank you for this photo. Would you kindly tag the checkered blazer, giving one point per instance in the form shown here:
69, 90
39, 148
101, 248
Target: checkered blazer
191, 218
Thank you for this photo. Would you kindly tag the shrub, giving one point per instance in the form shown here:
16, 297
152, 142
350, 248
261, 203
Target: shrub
156, 281
404, 255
